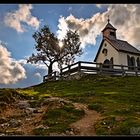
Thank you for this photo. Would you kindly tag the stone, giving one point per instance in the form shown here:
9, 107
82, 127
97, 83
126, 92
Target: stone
30, 110
28, 119
71, 133
46, 101
19, 131
38, 111
14, 123
119, 118
63, 101
23, 104
138, 113
4, 125
2, 120
2, 134
42, 126
3, 104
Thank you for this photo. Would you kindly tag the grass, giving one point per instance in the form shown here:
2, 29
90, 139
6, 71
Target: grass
96, 107
111, 96
58, 120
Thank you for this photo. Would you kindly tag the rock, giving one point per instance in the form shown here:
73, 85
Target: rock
28, 119
119, 118
38, 111
69, 133
63, 101
9, 132
42, 127
2, 134
19, 132
46, 101
30, 110
23, 104
2, 120
4, 125
14, 123
3, 104
138, 113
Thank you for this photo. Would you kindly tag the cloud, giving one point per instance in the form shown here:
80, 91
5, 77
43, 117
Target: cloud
10, 71
16, 18
124, 17
99, 5
38, 75
127, 22
88, 29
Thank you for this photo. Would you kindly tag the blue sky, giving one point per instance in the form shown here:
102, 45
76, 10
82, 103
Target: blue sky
19, 22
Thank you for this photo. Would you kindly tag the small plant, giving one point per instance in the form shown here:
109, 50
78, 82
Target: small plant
95, 106
58, 119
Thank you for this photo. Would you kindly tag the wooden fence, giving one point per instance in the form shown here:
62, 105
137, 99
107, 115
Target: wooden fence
51, 77
82, 67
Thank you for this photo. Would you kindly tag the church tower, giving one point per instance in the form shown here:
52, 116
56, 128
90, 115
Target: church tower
109, 31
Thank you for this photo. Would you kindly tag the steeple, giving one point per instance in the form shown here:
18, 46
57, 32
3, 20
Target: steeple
108, 19
109, 31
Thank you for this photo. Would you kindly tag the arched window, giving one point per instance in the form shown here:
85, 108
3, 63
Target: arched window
138, 63
129, 61
106, 63
132, 62
104, 51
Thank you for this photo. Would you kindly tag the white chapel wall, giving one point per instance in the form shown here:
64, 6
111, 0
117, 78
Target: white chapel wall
123, 58
111, 53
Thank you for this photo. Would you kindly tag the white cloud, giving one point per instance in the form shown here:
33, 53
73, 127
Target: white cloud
55, 67
99, 5
124, 17
88, 29
38, 75
10, 71
16, 18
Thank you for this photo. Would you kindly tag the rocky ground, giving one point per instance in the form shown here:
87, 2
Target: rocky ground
22, 116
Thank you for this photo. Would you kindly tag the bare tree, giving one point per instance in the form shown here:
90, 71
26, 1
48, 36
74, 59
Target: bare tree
50, 49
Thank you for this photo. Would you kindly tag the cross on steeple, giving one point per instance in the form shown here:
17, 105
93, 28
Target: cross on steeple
108, 19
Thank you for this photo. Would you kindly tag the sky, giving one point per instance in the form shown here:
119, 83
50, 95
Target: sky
18, 22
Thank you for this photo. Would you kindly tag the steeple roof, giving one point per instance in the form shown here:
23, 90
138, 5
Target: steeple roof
109, 26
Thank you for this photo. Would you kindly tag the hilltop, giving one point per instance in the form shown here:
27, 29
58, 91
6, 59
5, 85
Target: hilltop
92, 105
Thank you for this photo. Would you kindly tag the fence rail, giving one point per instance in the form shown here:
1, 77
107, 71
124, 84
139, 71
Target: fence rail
94, 68
51, 77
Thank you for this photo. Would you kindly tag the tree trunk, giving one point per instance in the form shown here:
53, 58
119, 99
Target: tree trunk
50, 69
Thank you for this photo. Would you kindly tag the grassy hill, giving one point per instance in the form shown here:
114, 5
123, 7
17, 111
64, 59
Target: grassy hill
117, 99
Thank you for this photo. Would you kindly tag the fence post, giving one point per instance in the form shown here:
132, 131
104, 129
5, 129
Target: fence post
100, 68
61, 73
136, 71
69, 70
123, 71
43, 79
54, 76
79, 67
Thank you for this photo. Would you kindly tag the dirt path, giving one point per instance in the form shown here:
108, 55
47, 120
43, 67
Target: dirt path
28, 122
85, 126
